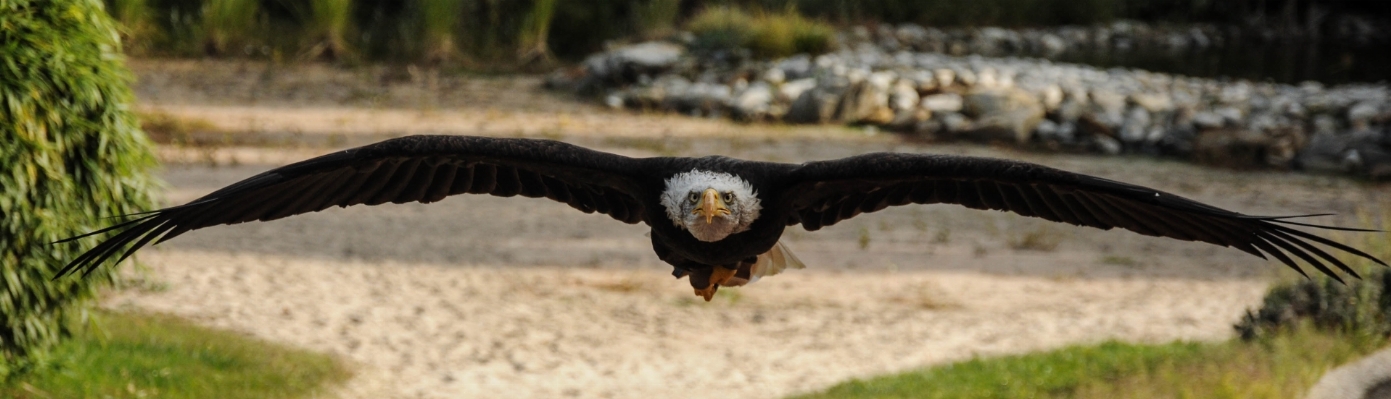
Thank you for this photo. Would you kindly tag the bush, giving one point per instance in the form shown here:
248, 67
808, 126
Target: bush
1360, 307
72, 158
767, 35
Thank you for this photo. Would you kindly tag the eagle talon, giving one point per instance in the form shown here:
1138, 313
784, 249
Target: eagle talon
721, 275
707, 293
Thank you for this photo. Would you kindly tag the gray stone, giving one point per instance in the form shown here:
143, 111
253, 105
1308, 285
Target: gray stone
796, 67
953, 122
775, 76
816, 105
646, 57
944, 102
792, 90
1152, 102
1106, 145
1136, 125
754, 102
864, 102
1230, 115
1325, 124
903, 96
1003, 113
1207, 120
1359, 113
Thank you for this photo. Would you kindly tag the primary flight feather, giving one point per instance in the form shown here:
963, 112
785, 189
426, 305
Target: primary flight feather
716, 220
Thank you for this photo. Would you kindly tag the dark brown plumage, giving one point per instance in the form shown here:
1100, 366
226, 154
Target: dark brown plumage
813, 194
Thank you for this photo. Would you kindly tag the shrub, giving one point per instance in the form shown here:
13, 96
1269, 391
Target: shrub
229, 24
767, 35
72, 157
1361, 307
721, 28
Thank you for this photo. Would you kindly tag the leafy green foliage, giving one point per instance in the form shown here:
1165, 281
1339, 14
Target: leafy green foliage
1279, 367
137, 355
71, 157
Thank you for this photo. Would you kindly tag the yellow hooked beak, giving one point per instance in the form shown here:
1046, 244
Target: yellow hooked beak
711, 205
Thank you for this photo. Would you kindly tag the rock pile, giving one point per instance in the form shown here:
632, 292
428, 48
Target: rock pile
1034, 102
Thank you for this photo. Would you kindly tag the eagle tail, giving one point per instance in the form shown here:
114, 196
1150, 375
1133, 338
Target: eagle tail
777, 259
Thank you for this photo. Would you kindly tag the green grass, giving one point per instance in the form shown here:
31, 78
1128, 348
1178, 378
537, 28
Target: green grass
1281, 367
766, 34
135, 355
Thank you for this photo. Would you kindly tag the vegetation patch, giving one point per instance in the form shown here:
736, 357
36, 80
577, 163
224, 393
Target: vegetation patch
1283, 366
765, 34
133, 355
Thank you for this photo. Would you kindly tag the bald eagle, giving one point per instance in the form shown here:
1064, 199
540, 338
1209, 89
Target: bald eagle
716, 220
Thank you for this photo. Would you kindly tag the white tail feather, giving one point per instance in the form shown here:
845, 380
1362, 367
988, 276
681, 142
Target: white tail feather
777, 259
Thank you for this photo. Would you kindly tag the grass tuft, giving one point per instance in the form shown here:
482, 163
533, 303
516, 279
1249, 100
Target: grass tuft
1042, 239
1280, 367
134, 355
228, 25
767, 35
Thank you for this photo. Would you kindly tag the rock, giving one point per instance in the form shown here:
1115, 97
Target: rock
1106, 145
903, 96
864, 103
1325, 124
792, 90
1051, 96
945, 77
625, 64
1235, 148
945, 102
1361, 112
1230, 115
954, 122
1208, 120
1368, 378
1136, 125
909, 120
1052, 44
775, 76
815, 105
1003, 113
754, 102
614, 101
1152, 102
796, 67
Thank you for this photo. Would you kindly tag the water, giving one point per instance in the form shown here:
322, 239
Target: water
1328, 62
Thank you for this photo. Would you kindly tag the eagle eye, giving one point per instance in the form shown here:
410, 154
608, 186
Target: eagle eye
695, 197
729, 197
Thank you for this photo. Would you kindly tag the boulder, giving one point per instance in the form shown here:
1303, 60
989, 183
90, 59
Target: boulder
1009, 114
945, 102
864, 102
815, 105
753, 103
1231, 147
626, 64
903, 96
790, 91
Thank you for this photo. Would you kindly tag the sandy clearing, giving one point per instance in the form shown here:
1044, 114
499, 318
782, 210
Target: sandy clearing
434, 331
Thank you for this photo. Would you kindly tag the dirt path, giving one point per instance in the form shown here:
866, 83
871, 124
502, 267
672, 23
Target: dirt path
491, 297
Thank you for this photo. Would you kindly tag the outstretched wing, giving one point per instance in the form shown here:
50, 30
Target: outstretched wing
406, 169
823, 193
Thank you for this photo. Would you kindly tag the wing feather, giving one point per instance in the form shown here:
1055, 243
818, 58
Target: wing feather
407, 169
821, 194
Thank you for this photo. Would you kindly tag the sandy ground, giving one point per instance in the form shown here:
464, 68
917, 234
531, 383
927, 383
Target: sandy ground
524, 298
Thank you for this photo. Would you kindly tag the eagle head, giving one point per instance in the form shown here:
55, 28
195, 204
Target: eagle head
710, 205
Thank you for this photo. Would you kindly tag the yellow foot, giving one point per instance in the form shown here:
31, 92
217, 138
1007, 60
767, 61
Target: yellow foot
721, 275
708, 292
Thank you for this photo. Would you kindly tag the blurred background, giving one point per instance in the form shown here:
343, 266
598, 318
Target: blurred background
1281, 40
